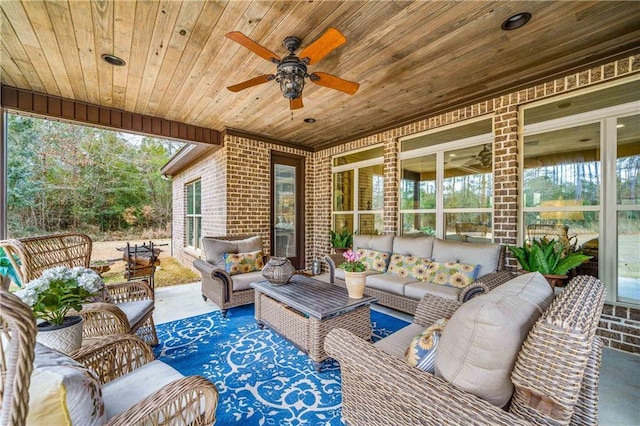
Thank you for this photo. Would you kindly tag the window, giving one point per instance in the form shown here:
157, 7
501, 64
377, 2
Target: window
194, 214
581, 170
358, 191
446, 186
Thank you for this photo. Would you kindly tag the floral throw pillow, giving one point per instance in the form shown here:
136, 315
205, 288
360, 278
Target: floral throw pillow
409, 266
421, 352
241, 263
374, 259
458, 275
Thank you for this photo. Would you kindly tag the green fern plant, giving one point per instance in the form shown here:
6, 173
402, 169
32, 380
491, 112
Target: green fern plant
342, 239
547, 257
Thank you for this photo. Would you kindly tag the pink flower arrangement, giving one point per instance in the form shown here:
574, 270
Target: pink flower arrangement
352, 262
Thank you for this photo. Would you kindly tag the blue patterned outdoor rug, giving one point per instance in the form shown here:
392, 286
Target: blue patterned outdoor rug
262, 378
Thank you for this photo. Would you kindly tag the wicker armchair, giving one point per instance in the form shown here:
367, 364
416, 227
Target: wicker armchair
555, 376
125, 358
129, 310
225, 290
536, 231
17, 340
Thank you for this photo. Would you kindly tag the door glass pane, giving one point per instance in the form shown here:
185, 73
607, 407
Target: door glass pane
562, 169
471, 227
371, 187
342, 221
197, 196
418, 224
468, 177
418, 184
629, 255
628, 201
285, 211
190, 199
370, 224
343, 191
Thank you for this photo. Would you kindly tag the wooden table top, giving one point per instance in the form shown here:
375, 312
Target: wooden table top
315, 298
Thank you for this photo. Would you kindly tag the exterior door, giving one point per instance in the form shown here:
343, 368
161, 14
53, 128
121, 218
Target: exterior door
287, 208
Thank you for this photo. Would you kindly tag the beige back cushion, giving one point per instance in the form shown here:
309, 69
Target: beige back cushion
479, 346
375, 242
414, 246
214, 249
485, 255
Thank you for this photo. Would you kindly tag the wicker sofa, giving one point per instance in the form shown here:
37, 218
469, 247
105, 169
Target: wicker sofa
404, 293
554, 376
223, 289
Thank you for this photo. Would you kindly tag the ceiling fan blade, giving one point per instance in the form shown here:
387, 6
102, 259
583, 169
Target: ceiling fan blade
295, 103
333, 82
259, 50
320, 48
250, 83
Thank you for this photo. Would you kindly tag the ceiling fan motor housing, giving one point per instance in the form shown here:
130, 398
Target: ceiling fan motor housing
291, 74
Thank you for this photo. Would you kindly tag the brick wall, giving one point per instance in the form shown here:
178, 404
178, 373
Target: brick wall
620, 328
244, 158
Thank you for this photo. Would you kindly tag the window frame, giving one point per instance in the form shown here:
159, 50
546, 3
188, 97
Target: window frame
608, 208
355, 166
439, 151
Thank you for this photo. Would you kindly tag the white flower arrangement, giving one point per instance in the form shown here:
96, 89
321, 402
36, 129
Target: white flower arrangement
59, 290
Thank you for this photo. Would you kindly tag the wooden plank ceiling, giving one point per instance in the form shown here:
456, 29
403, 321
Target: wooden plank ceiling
412, 58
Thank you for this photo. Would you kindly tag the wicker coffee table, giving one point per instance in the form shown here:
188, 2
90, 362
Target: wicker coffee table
304, 311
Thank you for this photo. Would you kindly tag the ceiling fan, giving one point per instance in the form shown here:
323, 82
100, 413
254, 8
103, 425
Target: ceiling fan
291, 70
483, 158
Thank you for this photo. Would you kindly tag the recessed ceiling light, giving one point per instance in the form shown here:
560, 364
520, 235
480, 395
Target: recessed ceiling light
452, 155
584, 140
619, 126
309, 120
516, 21
563, 105
113, 60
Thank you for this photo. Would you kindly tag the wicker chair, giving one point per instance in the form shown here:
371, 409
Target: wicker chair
17, 340
555, 376
224, 290
37, 254
183, 400
537, 231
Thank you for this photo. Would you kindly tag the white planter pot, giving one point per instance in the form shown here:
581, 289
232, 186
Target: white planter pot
65, 338
355, 282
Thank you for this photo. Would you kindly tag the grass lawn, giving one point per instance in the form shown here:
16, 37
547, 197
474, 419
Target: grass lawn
168, 273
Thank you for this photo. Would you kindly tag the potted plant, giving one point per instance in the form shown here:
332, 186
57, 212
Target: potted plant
355, 274
56, 294
341, 241
548, 256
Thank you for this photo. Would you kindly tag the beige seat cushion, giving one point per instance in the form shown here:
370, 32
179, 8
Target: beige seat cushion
136, 310
390, 283
243, 281
419, 289
397, 343
340, 273
125, 391
479, 346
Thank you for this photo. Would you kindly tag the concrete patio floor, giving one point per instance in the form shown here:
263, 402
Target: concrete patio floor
619, 373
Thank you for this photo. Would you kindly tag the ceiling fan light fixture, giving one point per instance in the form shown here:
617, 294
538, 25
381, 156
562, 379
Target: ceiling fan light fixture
516, 21
113, 60
291, 76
